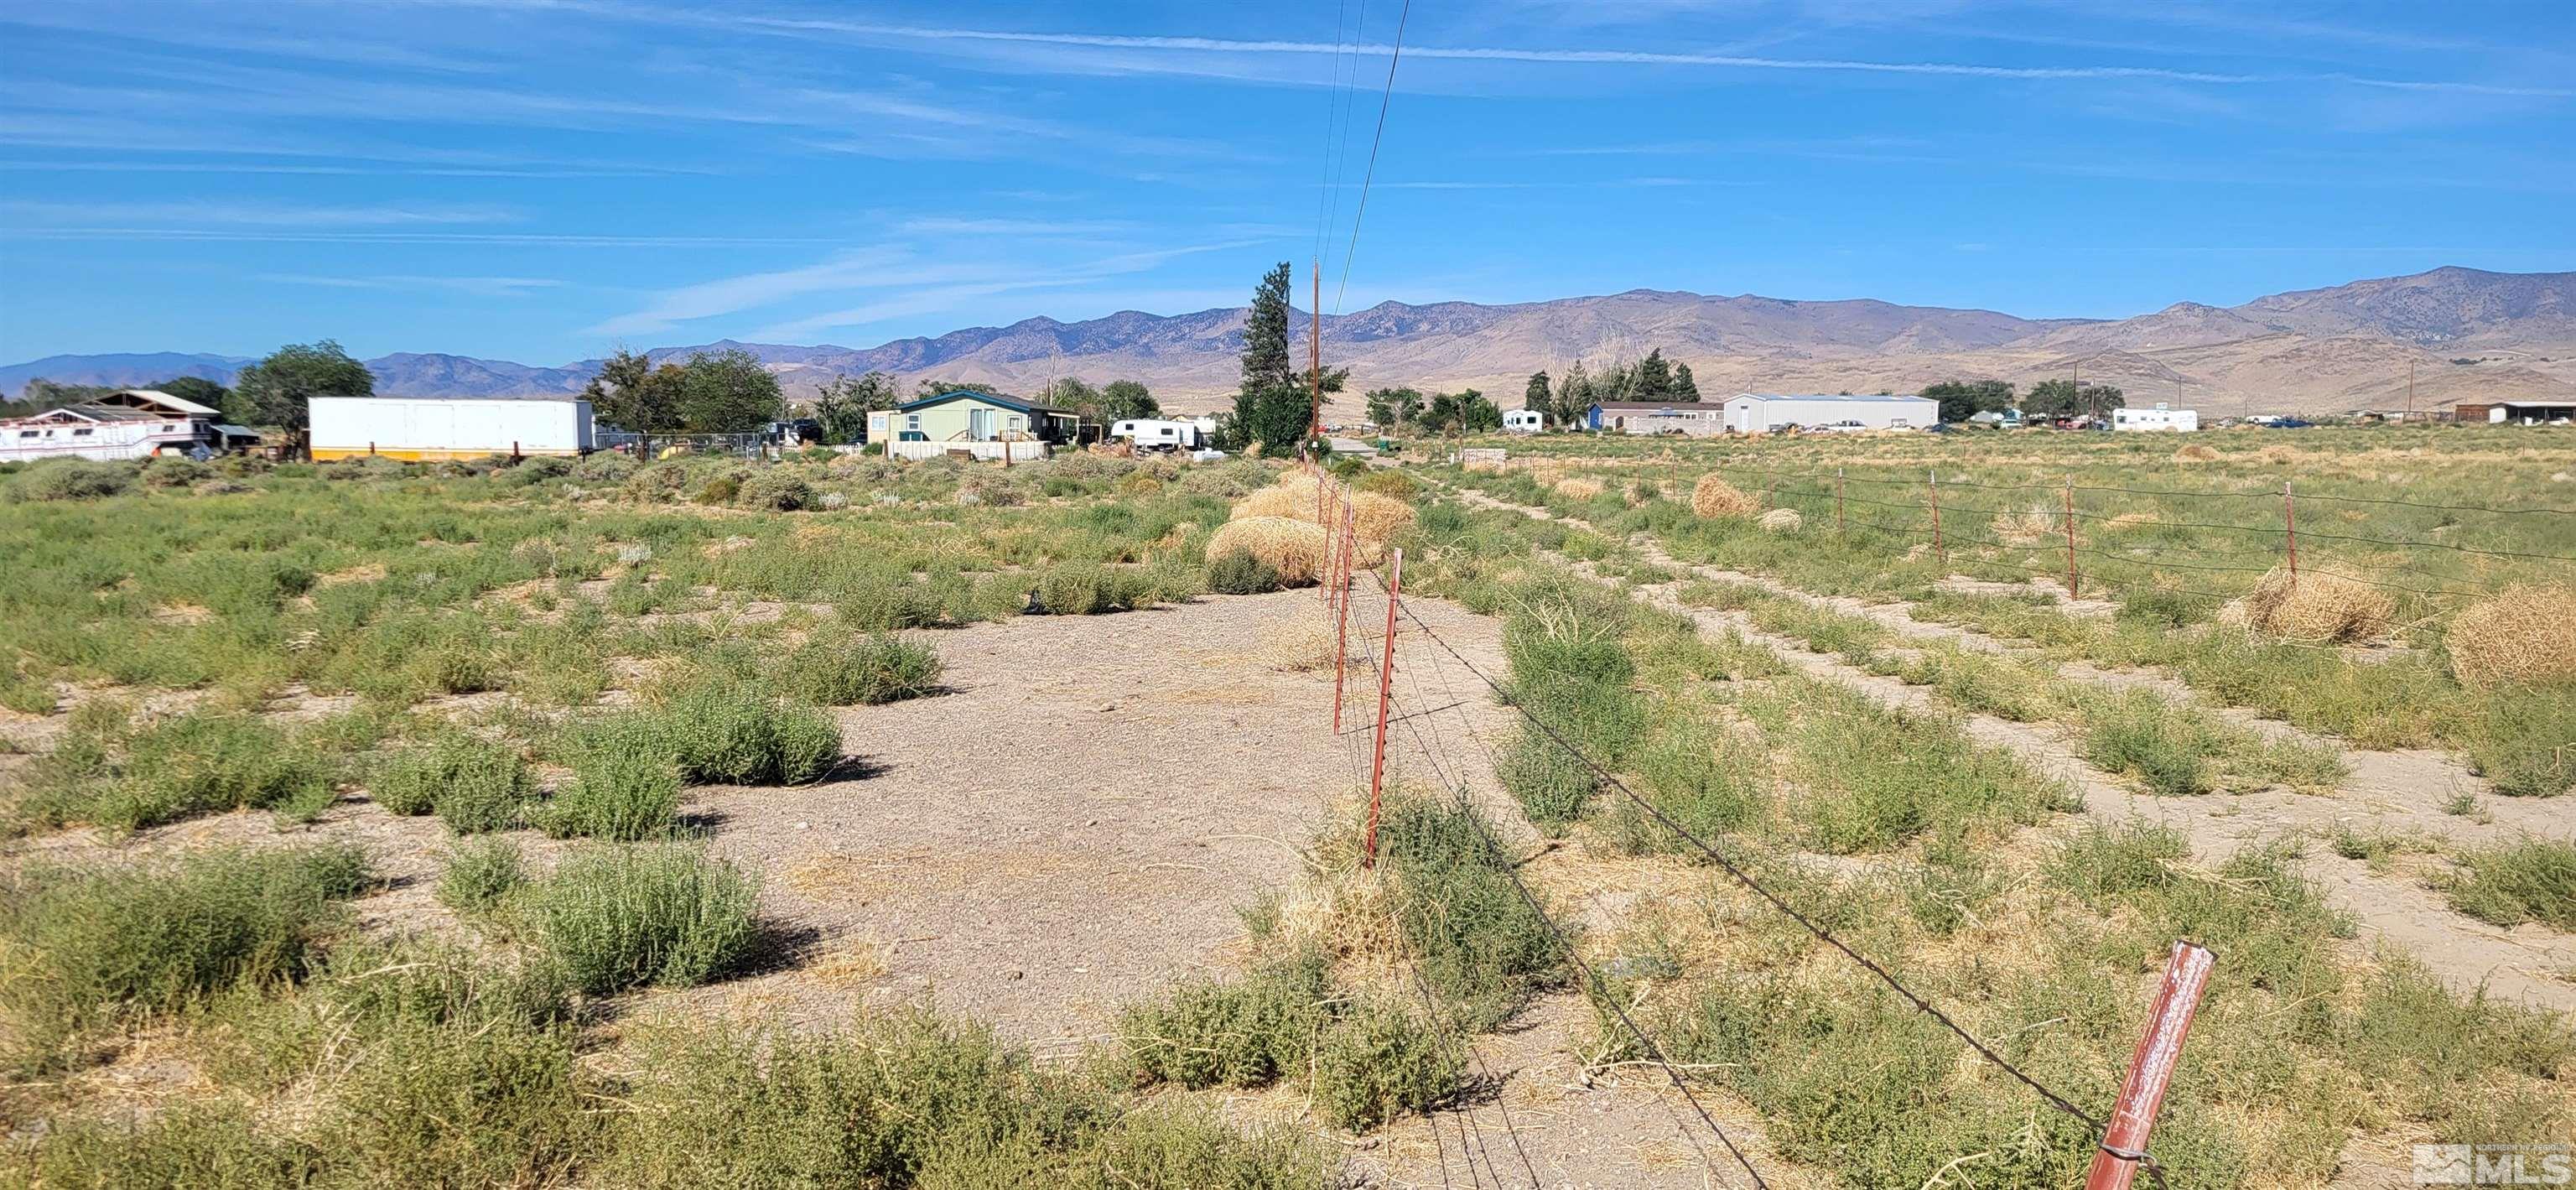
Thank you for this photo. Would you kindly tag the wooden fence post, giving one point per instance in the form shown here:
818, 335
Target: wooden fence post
1838, 501
2290, 529
2124, 1140
1385, 691
2070, 539
1932, 485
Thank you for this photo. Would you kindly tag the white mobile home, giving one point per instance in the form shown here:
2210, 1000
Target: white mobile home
1764, 413
2162, 417
1523, 421
134, 423
449, 427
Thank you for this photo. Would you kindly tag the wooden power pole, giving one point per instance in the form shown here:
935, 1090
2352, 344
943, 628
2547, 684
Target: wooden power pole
1315, 357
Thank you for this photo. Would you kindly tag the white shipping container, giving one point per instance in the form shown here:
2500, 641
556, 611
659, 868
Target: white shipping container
448, 427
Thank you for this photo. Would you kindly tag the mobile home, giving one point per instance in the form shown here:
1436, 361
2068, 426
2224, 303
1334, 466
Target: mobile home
135, 423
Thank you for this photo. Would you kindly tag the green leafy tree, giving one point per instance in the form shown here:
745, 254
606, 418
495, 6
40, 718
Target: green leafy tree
1395, 408
41, 394
1574, 396
1127, 400
1468, 412
198, 389
1963, 399
2064, 398
931, 386
843, 403
631, 394
278, 390
1685, 388
1271, 408
728, 392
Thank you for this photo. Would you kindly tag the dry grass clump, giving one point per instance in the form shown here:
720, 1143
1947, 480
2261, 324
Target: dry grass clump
1293, 548
1578, 488
1546, 475
2276, 456
1712, 496
2195, 453
2033, 524
2316, 606
1292, 498
2526, 636
2129, 520
1377, 520
1781, 520
1301, 643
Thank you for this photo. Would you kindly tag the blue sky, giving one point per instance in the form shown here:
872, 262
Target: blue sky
543, 180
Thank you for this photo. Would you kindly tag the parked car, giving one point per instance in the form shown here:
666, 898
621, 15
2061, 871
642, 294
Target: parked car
2288, 423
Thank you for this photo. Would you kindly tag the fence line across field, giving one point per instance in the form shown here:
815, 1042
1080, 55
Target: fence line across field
2121, 1136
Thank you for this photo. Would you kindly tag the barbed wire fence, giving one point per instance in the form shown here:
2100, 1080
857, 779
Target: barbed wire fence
2092, 537
1383, 647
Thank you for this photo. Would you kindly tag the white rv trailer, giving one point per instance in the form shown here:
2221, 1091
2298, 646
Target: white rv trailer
1523, 421
2162, 417
136, 423
416, 428
1147, 433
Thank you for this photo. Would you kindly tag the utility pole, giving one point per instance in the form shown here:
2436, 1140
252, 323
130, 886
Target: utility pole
1315, 356
2410, 394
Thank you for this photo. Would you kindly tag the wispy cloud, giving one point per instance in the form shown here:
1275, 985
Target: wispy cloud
217, 213
1221, 45
948, 225
477, 286
931, 298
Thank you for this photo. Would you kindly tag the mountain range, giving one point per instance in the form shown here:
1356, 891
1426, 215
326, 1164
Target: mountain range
2462, 333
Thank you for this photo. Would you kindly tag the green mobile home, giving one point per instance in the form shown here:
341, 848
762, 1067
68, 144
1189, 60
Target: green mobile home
959, 421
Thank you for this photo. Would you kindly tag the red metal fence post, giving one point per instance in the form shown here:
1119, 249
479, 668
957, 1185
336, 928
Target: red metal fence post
2070, 539
2290, 529
1932, 485
2124, 1140
1385, 691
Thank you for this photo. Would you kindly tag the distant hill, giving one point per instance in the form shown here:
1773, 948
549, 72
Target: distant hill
2318, 350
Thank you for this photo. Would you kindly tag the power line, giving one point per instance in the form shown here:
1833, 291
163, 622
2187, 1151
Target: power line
1394, 56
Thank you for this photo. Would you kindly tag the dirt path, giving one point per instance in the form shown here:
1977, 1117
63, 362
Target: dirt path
2387, 790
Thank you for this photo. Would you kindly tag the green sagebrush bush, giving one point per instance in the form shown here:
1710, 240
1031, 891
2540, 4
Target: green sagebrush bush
837, 670
1091, 589
480, 872
202, 763
619, 916
174, 471
471, 783
70, 479
1380, 1060
625, 786
86, 949
911, 1099
1237, 572
777, 490
2534, 880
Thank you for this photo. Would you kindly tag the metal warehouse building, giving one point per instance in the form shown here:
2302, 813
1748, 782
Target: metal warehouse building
1762, 413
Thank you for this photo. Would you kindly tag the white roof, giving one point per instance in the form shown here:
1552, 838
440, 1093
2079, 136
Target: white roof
157, 397
1820, 397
